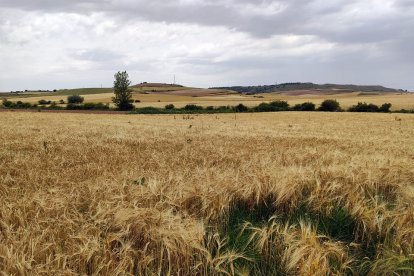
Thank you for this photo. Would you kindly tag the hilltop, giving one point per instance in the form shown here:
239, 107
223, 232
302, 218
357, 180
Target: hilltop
300, 88
178, 90
156, 84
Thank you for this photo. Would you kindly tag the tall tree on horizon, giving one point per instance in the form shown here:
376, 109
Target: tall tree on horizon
123, 96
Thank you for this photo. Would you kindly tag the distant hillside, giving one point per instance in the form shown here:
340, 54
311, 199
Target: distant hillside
298, 86
149, 84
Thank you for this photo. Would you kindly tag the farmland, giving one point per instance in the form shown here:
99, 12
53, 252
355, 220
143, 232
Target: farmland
272, 193
181, 96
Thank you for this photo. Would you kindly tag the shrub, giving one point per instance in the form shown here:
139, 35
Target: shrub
193, 107
44, 102
273, 106
71, 106
364, 107
137, 101
61, 102
19, 104
385, 107
263, 107
22, 105
7, 103
330, 106
241, 108
75, 99
169, 106
279, 105
308, 106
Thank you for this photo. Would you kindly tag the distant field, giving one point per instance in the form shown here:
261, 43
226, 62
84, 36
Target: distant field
63, 92
159, 96
288, 193
159, 88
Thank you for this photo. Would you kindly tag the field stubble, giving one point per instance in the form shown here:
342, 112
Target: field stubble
275, 193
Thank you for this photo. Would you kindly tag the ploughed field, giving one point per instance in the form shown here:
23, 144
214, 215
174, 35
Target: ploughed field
246, 194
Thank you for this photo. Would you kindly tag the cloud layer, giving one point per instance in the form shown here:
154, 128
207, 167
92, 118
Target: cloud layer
58, 44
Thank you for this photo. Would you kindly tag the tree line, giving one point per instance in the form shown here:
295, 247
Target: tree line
75, 102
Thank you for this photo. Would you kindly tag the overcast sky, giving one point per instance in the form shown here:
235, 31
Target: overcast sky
52, 44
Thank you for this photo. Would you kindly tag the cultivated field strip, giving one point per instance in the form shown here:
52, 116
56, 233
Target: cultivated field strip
246, 194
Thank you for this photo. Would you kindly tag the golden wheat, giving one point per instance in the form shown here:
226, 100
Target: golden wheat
288, 193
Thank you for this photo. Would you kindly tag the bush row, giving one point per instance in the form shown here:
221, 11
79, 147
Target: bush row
364, 107
73, 99
88, 106
54, 106
275, 106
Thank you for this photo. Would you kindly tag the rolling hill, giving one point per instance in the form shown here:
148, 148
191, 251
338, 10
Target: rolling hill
299, 88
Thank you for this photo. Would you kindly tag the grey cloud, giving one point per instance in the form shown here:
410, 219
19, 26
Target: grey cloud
331, 21
374, 34
297, 16
54, 6
404, 3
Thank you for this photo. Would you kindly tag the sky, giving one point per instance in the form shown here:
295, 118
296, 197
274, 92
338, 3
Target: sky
55, 44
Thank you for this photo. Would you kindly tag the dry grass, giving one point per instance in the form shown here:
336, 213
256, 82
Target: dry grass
283, 193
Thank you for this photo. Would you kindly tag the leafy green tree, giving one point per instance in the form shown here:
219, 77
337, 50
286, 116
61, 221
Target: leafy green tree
123, 96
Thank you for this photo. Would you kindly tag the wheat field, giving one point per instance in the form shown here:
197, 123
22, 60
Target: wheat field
247, 194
